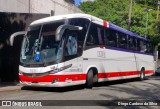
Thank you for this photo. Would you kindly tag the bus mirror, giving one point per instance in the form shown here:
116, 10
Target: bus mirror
60, 30
11, 39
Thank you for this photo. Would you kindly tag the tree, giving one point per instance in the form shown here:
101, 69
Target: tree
116, 11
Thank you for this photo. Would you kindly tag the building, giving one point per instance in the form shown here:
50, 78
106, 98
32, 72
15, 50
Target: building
16, 15
53, 7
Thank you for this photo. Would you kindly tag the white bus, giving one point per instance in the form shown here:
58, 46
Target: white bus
75, 49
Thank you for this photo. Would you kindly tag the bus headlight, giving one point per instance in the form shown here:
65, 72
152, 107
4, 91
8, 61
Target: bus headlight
20, 72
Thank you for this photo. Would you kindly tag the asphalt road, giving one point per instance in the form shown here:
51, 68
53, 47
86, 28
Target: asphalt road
125, 89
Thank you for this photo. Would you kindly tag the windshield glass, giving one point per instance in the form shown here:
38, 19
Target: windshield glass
39, 45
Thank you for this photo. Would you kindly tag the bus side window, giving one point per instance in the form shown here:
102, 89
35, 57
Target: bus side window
143, 47
138, 45
82, 22
71, 44
100, 35
149, 48
122, 40
131, 45
95, 36
110, 38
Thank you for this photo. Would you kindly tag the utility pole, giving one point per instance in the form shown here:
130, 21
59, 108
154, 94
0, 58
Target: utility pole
158, 3
147, 10
130, 14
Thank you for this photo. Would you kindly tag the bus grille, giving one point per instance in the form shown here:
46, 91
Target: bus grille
34, 75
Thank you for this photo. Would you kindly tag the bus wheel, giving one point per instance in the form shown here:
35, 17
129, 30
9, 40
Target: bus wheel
142, 75
89, 80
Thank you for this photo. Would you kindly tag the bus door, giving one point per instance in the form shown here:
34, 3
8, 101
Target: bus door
71, 51
68, 34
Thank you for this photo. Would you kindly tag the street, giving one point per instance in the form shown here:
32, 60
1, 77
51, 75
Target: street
125, 89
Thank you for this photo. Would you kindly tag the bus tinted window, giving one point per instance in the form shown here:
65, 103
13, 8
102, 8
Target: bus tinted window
143, 47
71, 44
82, 23
95, 36
81, 33
131, 43
110, 38
122, 40
100, 31
138, 45
149, 47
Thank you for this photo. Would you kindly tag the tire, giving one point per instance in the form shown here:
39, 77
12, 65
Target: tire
95, 80
142, 75
89, 79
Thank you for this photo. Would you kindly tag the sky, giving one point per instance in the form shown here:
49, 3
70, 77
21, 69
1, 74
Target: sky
77, 2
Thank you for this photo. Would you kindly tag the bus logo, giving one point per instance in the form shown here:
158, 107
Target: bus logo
33, 75
6, 103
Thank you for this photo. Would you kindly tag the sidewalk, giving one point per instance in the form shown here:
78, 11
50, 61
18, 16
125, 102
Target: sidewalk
9, 86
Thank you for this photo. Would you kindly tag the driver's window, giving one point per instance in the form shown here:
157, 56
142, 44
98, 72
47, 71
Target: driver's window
71, 44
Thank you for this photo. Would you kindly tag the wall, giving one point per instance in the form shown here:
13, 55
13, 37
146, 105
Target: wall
14, 16
9, 56
38, 6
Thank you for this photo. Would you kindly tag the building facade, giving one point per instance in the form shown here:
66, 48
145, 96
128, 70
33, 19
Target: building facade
16, 15
53, 7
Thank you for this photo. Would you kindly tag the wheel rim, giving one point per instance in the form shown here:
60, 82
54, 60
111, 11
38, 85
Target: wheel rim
142, 75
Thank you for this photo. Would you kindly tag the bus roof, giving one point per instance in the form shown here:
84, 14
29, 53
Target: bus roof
90, 17
120, 29
60, 17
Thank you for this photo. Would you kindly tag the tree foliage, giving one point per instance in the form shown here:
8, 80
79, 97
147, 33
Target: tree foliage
116, 11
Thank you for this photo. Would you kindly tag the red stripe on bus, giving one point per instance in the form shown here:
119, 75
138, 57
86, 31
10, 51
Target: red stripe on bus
117, 74
50, 78
78, 77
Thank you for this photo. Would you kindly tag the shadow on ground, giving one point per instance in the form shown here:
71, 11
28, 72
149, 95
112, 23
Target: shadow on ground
137, 90
148, 94
78, 87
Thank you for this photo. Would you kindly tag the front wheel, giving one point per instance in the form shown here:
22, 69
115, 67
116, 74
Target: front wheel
89, 80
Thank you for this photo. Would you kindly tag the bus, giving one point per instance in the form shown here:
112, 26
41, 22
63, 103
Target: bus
74, 49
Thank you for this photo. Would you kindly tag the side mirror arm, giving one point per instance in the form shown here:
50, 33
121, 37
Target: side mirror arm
60, 30
11, 39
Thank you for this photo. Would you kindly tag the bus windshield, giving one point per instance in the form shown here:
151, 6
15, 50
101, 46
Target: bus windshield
39, 45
